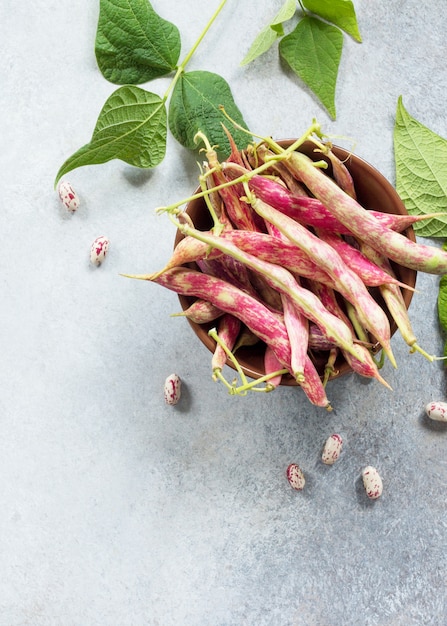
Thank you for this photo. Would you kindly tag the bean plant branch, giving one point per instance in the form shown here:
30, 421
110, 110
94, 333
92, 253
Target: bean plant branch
135, 45
133, 123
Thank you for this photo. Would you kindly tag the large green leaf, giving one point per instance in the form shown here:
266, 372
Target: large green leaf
133, 43
271, 32
421, 171
132, 127
313, 51
338, 12
194, 106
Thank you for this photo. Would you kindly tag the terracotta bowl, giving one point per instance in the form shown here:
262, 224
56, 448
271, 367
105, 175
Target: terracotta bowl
374, 191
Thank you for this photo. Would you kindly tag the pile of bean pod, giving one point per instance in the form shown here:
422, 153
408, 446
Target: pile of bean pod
291, 260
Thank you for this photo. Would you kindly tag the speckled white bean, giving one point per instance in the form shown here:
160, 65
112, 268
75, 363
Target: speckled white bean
172, 389
332, 449
437, 411
372, 482
68, 196
99, 250
295, 477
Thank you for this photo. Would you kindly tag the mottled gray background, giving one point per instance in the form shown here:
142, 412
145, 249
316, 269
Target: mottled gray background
117, 510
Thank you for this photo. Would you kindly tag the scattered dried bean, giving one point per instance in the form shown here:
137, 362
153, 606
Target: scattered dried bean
295, 477
68, 196
372, 482
99, 250
437, 411
332, 449
172, 389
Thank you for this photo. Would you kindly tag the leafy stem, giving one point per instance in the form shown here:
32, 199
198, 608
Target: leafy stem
246, 386
280, 154
204, 32
181, 67
135, 45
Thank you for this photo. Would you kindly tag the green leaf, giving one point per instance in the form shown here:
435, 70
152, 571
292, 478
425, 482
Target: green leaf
338, 12
313, 51
263, 42
194, 106
132, 127
421, 172
133, 43
271, 32
442, 302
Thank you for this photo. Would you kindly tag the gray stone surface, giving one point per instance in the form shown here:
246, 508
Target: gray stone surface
117, 510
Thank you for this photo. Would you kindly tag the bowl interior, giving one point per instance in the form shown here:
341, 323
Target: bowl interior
374, 191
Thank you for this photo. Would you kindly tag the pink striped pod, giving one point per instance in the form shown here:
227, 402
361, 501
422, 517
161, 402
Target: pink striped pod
280, 252
312, 211
284, 282
342, 175
200, 312
393, 297
371, 274
271, 365
297, 326
228, 331
348, 284
362, 224
255, 315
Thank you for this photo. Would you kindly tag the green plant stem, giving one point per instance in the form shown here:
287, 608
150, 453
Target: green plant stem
213, 334
206, 29
246, 386
281, 154
186, 60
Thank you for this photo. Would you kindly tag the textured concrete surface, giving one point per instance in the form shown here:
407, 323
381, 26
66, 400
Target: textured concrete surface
117, 510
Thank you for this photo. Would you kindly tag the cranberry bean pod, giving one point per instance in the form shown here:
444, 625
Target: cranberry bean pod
318, 339
238, 211
271, 364
257, 317
416, 256
371, 274
297, 327
284, 282
348, 283
228, 330
200, 312
312, 211
190, 250
393, 298
363, 364
342, 175
283, 253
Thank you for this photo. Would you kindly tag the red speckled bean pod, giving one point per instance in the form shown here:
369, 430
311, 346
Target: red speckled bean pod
393, 298
282, 280
312, 211
397, 247
348, 284
371, 274
257, 317
228, 330
363, 363
298, 330
266, 325
271, 364
200, 312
